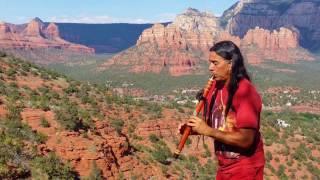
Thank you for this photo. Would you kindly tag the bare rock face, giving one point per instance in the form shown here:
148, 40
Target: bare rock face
163, 128
191, 29
111, 152
247, 14
4, 29
279, 45
34, 28
35, 35
176, 48
52, 31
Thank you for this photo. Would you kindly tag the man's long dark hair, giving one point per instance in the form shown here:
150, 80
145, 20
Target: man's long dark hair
231, 52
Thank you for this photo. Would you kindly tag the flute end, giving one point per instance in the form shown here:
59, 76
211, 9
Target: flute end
176, 154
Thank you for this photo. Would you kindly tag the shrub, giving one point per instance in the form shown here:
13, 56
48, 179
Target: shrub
72, 88
68, 116
96, 173
52, 168
269, 156
313, 170
117, 124
44, 122
11, 149
281, 172
154, 109
301, 153
2, 54
11, 73
153, 138
270, 136
161, 153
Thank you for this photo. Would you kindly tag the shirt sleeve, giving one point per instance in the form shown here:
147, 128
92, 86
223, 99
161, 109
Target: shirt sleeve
249, 108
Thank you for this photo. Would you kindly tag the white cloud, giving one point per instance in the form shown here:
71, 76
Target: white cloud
164, 17
96, 19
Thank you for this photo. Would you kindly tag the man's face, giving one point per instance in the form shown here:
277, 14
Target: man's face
219, 67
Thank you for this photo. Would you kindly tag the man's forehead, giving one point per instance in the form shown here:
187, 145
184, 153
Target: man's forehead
213, 56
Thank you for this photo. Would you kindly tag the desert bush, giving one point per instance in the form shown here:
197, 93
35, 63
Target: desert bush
68, 116
301, 153
281, 172
117, 124
2, 54
161, 152
153, 138
52, 168
95, 173
268, 156
72, 88
44, 122
270, 136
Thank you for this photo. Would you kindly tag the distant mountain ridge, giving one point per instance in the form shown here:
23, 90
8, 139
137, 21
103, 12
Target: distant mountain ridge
104, 38
36, 35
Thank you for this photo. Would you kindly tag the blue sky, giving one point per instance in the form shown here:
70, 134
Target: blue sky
104, 11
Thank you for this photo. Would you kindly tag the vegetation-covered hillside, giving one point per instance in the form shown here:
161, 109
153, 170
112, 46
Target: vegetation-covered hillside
53, 127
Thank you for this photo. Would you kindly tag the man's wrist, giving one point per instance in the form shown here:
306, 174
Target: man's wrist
208, 131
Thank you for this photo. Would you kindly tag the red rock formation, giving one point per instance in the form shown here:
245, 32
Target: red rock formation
52, 31
4, 28
265, 39
110, 151
177, 47
36, 36
247, 14
259, 45
180, 46
34, 28
163, 128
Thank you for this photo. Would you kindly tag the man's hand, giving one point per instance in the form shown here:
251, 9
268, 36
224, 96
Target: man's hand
182, 127
199, 126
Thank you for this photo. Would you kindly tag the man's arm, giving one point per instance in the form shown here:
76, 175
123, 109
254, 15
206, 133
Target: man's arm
242, 138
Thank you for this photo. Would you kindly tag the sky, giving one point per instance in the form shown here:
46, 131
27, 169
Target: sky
104, 11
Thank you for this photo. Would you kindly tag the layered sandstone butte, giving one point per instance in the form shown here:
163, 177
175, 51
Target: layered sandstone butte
260, 44
177, 47
273, 14
36, 35
180, 46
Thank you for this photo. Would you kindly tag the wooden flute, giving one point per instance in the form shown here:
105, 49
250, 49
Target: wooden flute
198, 109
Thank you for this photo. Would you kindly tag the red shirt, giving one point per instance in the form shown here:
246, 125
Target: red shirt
244, 113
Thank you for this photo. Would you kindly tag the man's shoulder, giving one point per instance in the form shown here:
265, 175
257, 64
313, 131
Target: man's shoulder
245, 86
247, 93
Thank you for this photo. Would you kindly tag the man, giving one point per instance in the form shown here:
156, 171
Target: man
233, 117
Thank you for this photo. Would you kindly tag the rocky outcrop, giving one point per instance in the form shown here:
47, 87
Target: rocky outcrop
163, 128
110, 151
176, 48
34, 28
304, 15
36, 35
259, 45
191, 29
52, 31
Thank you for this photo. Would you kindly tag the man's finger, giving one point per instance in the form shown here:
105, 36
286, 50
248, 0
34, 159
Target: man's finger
191, 124
192, 121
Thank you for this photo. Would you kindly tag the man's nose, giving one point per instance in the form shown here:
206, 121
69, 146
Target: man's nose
211, 67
